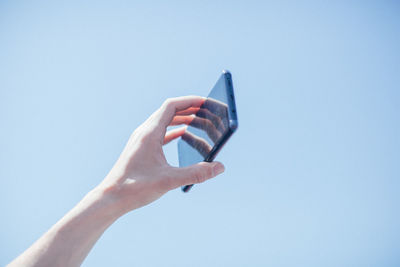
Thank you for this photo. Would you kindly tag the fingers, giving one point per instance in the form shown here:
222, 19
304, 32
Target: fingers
215, 119
198, 143
178, 120
215, 106
188, 111
203, 120
206, 126
173, 134
196, 173
173, 105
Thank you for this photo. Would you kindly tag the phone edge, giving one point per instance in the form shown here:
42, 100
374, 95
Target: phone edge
233, 122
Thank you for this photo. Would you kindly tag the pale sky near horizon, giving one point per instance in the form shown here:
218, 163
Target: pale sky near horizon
312, 174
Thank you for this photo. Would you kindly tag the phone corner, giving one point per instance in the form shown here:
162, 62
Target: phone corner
233, 124
226, 72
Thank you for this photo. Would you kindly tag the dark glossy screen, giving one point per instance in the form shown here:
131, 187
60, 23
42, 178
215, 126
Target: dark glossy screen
207, 128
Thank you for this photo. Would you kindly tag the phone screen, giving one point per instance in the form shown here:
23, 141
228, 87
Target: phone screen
208, 129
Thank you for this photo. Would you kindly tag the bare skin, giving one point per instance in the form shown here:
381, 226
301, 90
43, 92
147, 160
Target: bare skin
140, 176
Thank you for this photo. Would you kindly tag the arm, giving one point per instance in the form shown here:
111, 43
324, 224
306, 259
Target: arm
140, 176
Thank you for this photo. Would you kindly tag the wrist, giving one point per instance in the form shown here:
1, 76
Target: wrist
104, 202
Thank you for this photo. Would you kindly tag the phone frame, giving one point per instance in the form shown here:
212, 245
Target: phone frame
232, 126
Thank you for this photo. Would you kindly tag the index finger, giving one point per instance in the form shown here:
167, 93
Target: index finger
173, 105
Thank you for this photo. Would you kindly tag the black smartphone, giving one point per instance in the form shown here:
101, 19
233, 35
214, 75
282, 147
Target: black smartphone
213, 124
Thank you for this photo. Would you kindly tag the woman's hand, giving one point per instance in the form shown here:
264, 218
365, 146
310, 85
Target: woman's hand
142, 174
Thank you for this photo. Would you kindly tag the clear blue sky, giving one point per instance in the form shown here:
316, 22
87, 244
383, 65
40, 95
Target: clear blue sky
312, 174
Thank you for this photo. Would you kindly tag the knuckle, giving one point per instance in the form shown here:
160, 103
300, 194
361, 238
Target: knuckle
209, 172
168, 102
200, 176
147, 138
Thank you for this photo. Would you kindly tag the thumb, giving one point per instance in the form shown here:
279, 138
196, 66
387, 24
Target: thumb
197, 173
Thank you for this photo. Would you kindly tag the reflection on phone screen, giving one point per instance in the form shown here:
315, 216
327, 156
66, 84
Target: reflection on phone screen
208, 127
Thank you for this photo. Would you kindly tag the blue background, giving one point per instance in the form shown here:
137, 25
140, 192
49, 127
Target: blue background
312, 174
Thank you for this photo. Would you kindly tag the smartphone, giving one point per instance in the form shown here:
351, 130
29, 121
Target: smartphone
211, 127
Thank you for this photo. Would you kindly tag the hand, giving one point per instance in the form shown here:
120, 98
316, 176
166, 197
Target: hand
142, 174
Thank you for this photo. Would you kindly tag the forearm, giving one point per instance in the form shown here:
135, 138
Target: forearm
69, 241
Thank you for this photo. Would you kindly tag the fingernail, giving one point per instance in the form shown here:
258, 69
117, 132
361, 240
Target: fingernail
219, 168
